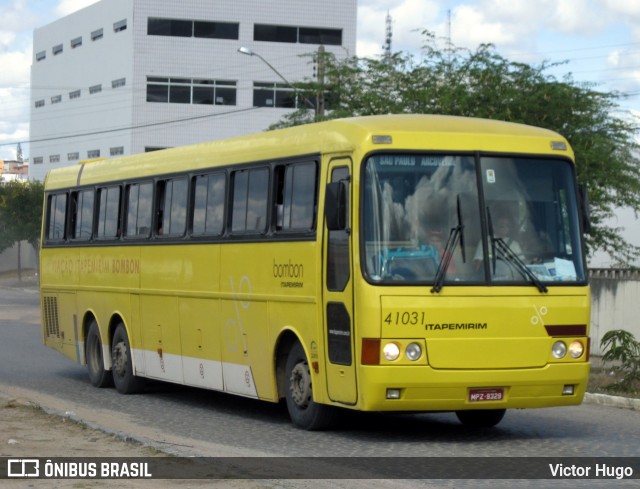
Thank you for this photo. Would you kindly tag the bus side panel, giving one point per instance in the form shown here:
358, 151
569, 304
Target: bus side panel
200, 339
60, 324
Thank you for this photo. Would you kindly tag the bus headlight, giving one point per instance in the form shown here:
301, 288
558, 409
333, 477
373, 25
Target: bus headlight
391, 351
413, 352
559, 349
576, 349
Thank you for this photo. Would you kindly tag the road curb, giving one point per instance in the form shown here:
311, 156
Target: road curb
612, 401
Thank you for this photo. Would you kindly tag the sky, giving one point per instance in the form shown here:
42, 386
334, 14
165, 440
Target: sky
599, 41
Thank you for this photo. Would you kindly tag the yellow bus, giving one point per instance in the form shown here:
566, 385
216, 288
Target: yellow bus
387, 263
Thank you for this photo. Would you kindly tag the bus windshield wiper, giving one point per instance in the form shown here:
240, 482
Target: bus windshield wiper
506, 251
455, 236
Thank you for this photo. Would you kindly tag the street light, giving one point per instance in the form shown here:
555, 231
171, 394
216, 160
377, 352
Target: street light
250, 52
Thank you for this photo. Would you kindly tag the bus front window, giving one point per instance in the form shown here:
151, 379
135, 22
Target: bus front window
532, 221
411, 206
523, 231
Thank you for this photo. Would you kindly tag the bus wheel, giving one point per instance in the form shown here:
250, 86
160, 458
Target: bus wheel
98, 376
122, 366
481, 418
303, 410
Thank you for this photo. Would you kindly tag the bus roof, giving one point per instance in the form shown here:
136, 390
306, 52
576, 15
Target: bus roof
436, 132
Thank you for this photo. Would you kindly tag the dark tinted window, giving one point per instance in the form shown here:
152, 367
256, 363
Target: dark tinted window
296, 202
169, 27
139, 210
208, 211
250, 193
216, 30
173, 204
83, 225
108, 213
275, 33
316, 35
57, 215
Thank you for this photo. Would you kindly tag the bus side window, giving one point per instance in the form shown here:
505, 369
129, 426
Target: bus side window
208, 204
139, 210
296, 194
250, 193
108, 226
82, 215
56, 217
171, 207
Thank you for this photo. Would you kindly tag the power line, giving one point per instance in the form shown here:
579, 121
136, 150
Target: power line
130, 128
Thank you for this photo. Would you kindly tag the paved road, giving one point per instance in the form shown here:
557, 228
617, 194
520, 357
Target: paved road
193, 421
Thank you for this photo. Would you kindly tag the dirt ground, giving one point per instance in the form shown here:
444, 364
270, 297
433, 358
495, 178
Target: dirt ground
27, 431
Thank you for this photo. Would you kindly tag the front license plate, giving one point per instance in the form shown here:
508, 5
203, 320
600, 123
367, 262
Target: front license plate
481, 395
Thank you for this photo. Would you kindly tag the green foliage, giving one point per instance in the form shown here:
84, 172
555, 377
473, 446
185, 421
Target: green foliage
20, 212
623, 350
482, 83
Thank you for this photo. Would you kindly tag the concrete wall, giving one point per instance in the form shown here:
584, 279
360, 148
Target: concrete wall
615, 303
9, 258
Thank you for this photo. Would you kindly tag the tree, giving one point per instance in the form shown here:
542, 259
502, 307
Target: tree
20, 214
482, 83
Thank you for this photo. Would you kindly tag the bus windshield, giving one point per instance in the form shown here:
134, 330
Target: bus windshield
423, 212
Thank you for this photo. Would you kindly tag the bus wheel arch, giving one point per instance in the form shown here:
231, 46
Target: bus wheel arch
283, 346
97, 364
124, 379
305, 413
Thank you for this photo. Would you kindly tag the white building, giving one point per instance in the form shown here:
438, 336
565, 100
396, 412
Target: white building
128, 76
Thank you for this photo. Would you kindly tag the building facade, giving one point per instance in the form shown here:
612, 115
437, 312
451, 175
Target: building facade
127, 76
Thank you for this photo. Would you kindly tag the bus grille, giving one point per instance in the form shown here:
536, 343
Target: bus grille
50, 316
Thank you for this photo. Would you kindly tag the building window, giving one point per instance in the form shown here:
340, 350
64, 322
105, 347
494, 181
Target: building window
216, 30
117, 151
39, 103
273, 95
74, 94
169, 27
191, 91
57, 49
56, 99
95, 89
41, 55
93, 153
120, 26
120, 82
77, 42
97, 34
302, 35
73, 156
151, 149
189, 28
54, 158
38, 160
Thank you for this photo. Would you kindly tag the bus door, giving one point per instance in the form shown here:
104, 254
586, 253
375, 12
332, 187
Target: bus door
338, 295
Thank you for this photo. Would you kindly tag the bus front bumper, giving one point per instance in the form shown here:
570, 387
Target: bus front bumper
422, 388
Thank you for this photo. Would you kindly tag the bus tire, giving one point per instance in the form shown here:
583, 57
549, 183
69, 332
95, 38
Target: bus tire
122, 366
98, 376
481, 418
305, 413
